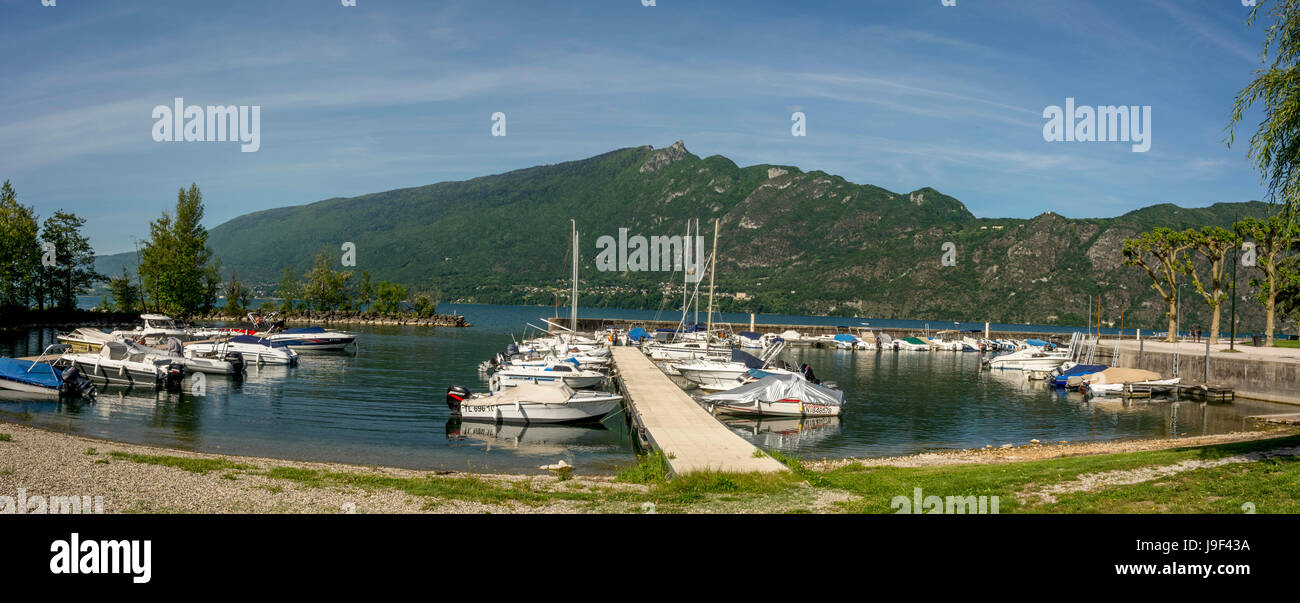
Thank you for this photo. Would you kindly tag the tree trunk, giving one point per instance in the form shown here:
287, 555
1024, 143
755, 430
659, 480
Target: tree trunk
1269, 315
1173, 322
1214, 324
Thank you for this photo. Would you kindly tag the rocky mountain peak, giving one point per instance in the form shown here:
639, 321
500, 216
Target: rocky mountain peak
665, 157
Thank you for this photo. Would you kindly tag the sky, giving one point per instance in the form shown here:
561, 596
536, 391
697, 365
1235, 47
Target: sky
386, 94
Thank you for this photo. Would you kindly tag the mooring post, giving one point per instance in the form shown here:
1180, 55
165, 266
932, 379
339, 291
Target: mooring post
1140, 344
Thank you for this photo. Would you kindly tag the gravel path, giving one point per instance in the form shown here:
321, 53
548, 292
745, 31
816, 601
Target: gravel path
47, 463
1033, 452
1095, 481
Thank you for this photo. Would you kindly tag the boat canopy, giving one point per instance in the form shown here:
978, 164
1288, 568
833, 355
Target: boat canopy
777, 387
845, 337
1036, 342
746, 359
915, 340
1079, 370
637, 334
749, 335
531, 392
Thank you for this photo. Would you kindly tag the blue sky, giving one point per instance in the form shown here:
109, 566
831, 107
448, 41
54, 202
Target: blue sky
387, 94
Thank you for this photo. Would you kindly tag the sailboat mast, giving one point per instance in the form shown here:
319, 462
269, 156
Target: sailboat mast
573, 309
713, 268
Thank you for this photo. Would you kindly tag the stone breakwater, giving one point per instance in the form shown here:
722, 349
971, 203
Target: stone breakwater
358, 318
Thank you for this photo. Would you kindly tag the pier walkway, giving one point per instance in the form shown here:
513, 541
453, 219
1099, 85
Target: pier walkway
690, 438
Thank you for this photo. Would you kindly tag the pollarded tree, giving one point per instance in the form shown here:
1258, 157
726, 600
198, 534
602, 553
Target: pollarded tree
1212, 244
1163, 254
1273, 237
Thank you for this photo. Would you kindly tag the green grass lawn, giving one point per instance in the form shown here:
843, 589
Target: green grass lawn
1263, 486
1285, 343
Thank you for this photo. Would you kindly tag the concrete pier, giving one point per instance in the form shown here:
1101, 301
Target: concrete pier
690, 438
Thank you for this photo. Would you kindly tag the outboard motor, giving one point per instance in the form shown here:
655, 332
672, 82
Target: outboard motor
76, 385
807, 371
455, 395
236, 360
172, 379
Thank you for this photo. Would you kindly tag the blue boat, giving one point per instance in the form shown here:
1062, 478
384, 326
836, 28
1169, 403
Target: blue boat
1077, 370
43, 379
312, 338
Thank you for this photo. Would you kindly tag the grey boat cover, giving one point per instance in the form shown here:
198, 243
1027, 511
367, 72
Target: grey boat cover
175, 348
777, 387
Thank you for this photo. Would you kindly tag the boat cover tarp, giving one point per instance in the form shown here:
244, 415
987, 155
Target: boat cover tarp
175, 348
1078, 370
774, 388
1036, 342
43, 375
845, 337
637, 334
916, 341
746, 359
1121, 375
749, 335
532, 392
791, 335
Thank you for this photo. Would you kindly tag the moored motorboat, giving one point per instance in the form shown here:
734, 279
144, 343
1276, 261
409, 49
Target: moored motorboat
531, 403
254, 349
779, 395
37, 378
555, 372
312, 338
118, 362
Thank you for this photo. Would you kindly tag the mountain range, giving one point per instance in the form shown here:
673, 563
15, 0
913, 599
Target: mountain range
790, 241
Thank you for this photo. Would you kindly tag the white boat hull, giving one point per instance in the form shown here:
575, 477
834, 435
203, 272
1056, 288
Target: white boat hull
577, 409
782, 408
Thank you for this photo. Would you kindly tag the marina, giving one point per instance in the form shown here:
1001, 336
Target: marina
384, 404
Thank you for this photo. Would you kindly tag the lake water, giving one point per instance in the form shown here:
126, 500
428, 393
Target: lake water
384, 405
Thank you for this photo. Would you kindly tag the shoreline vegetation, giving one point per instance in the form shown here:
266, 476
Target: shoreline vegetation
1228, 473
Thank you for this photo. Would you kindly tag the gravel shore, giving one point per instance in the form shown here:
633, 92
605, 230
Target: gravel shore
47, 463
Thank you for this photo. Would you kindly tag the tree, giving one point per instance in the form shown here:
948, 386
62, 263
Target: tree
237, 296
1276, 144
73, 271
1273, 238
325, 288
365, 292
126, 297
1163, 254
177, 267
388, 297
290, 290
20, 254
1212, 244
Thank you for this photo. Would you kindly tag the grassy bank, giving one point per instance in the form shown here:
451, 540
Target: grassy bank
1260, 475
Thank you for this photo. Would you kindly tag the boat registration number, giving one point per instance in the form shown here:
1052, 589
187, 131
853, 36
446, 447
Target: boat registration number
476, 409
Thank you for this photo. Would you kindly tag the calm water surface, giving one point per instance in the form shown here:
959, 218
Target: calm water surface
384, 405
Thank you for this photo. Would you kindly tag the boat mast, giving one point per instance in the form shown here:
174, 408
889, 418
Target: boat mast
697, 285
573, 299
713, 268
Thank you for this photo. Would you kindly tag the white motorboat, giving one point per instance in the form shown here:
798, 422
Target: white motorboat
684, 351
779, 395
117, 362
85, 339
156, 328
555, 372
913, 344
231, 363
255, 350
1032, 358
531, 403
312, 338
718, 373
